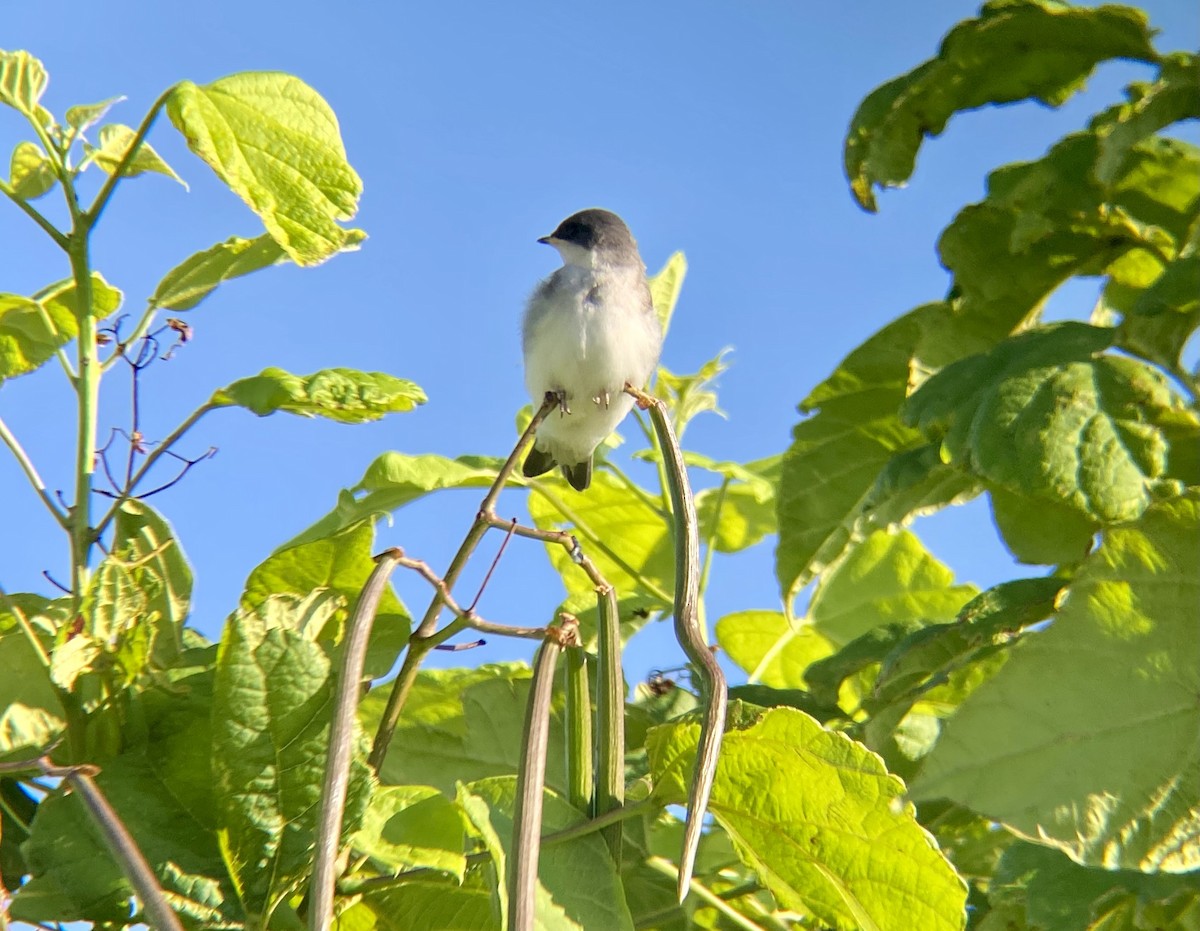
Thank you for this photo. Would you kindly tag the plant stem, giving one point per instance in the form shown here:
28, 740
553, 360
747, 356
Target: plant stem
92, 214
120, 843
667, 868
32, 212
87, 394
31, 473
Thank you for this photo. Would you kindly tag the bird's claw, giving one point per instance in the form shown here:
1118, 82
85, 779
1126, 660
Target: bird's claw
560, 397
601, 400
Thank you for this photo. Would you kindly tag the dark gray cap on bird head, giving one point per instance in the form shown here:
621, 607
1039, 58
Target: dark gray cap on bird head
596, 230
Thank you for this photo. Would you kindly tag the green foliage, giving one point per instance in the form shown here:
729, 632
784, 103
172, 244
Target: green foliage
917, 755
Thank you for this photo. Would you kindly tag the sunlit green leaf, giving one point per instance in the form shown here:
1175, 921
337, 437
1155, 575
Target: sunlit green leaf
839, 453
1152, 106
32, 329
338, 564
461, 724
1165, 315
845, 849
23, 80
624, 534
563, 902
31, 173
1060, 894
271, 710
1046, 414
1120, 669
115, 141
409, 827
422, 903
25, 684
690, 395
27, 733
772, 650
742, 514
665, 287
345, 395
1041, 532
1015, 50
275, 142
84, 116
194, 279
396, 479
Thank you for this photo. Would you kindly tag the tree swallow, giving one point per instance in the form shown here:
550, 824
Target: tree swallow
589, 328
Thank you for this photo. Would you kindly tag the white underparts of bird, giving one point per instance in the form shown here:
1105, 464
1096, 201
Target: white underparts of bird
589, 329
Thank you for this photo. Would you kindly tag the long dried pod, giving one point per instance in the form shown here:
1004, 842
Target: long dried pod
531, 779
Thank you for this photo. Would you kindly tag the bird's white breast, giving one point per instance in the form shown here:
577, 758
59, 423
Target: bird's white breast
588, 333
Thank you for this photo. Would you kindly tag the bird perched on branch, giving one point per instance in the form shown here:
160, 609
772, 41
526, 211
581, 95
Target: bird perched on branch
588, 330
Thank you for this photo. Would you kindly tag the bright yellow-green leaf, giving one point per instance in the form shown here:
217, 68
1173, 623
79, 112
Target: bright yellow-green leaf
1086, 738
31, 173
23, 80
411, 827
275, 142
115, 141
32, 329
345, 395
821, 822
771, 650
665, 287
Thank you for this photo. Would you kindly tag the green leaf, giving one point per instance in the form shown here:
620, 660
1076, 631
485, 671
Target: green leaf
24, 677
271, 707
396, 479
73, 876
26, 733
275, 142
624, 534
462, 724
1120, 667
741, 515
17, 810
1041, 532
84, 116
837, 456
194, 279
846, 849
889, 578
1015, 50
145, 542
32, 329
665, 287
990, 618
23, 80
825, 676
564, 903
1164, 315
410, 827
31, 173
1045, 414
344, 395
115, 141
772, 650
339, 565
690, 395
421, 904
1060, 894
1173, 96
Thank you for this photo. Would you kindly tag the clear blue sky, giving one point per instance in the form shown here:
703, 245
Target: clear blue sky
714, 128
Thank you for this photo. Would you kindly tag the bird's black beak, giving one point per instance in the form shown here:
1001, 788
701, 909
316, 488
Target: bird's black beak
545, 240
